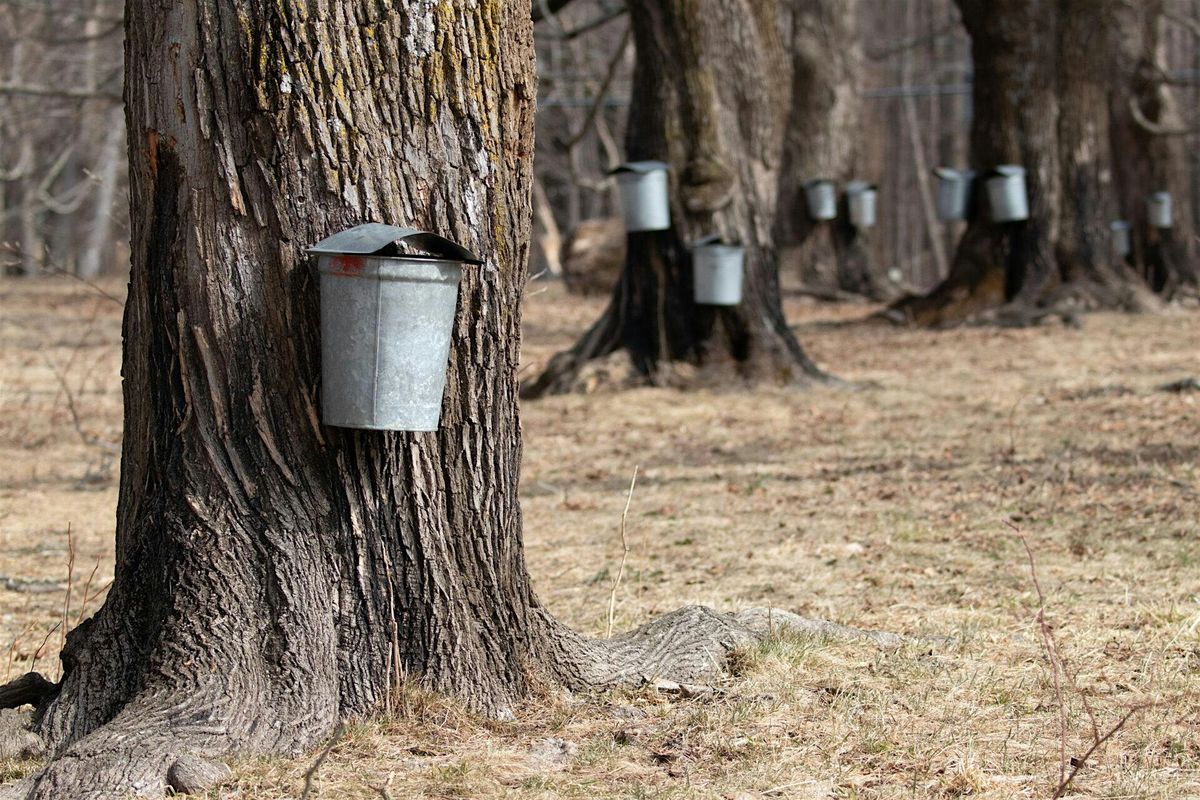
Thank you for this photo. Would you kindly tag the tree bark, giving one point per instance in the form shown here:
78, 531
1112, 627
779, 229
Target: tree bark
274, 575
821, 141
1043, 71
702, 101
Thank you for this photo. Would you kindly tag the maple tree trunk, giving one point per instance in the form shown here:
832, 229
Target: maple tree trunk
700, 103
822, 138
274, 575
1043, 73
1152, 155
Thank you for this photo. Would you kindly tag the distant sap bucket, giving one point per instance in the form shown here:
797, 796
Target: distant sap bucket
1007, 196
953, 193
1122, 244
717, 271
861, 197
386, 321
821, 197
1158, 210
645, 195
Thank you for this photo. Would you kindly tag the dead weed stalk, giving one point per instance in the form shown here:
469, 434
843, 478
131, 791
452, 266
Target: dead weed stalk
612, 595
1068, 769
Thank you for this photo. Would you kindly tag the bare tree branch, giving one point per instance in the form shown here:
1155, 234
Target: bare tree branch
63, 92
546, 9
916, 41
1191, 23
602, 94
1155, 128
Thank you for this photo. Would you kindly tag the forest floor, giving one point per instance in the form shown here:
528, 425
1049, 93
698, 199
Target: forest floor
893, 507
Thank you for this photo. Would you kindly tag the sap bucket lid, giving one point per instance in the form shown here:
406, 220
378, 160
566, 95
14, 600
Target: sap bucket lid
716, 240
953, 174
1007, 171
859, 186
640, 167
376, 239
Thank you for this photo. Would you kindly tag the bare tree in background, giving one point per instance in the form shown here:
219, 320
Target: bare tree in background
1154, 140
61, 137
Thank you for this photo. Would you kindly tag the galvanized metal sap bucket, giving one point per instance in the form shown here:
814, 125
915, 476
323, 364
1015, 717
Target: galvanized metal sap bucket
861, 199
1158, 210
1122, 244
645, 195
953, 193
388, 299
1006, 194
821, 198
717, 270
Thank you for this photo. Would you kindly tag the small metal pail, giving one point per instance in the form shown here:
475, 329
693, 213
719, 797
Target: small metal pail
717, 271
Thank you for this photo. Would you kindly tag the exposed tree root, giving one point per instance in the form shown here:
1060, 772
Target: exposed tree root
777, 359
148, 750
16, 740
29, 689
690, 645
982, 301
602, 339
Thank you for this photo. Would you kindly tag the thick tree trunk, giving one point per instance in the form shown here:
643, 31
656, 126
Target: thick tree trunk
704, 102
274, 575
821, 140
1042, 75
1152, 156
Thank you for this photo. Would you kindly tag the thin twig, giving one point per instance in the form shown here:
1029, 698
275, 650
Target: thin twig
1079, 763
384, 789
87, 587
1051, 648
338, 733
56, 270
76, 420
38, 653
66, 615
612, 595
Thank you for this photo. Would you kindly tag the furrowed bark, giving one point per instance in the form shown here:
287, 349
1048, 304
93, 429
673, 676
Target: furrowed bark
274, 575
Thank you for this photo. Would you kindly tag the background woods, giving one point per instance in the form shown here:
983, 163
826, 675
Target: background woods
889, 87
63, 175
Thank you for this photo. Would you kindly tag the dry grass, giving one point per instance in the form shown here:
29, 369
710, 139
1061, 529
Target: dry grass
880, 508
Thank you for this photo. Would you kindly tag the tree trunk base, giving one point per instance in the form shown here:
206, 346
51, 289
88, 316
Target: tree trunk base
776, 359
156, 746
983, 301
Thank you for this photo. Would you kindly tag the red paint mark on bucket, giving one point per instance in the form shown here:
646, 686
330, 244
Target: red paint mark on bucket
347, 265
